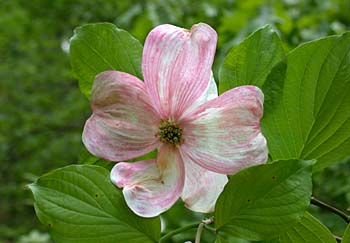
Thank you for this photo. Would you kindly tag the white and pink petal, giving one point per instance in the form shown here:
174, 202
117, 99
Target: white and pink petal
202, 187
176, 65
151, 187
210, 93
123, 124
224, 134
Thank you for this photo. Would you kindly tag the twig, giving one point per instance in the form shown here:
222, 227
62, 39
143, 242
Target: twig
188, 227
336, 211
200, 228
210, 229
199, 233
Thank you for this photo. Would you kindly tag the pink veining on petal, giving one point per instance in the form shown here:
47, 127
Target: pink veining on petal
151, 187
202, 187
214, 135
224, 134
124, 174
176, 65
210, 93
123, 124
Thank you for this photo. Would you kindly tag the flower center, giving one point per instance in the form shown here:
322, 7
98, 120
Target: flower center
170, 132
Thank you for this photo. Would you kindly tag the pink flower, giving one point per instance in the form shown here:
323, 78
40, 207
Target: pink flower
200, 137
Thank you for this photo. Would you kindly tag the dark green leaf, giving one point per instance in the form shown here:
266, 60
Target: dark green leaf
220, 240
95, 48
86, 158
308, 230
346, 236
80, 205
260, 202
251, 61
307, 111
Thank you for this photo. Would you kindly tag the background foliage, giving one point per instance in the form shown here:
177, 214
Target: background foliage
43, 111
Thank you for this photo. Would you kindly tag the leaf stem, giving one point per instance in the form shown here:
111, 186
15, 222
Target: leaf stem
210, 229
177, 231
200, 228
188, 227
336, 211
199, 233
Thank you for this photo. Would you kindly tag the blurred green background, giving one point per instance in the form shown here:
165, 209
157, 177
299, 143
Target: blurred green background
42, 111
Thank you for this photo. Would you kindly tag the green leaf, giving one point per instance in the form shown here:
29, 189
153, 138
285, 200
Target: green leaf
81, 205
220, 240
307, 113
228, 239
260, 202
86, 158
251, 61
95, 48
346, 236
308, 230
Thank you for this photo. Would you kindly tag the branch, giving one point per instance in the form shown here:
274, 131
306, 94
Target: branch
336, 211
188, 227
200, 228
199, 233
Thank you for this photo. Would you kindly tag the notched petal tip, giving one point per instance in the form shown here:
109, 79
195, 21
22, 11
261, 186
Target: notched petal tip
115, 174
123, 122
231, 123
249, 90
249, 96
176, 65
203, 32
106, 73
151, 187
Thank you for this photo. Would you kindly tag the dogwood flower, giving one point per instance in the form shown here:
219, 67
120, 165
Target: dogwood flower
200, 137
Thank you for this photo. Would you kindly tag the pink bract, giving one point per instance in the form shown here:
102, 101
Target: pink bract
200, 137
